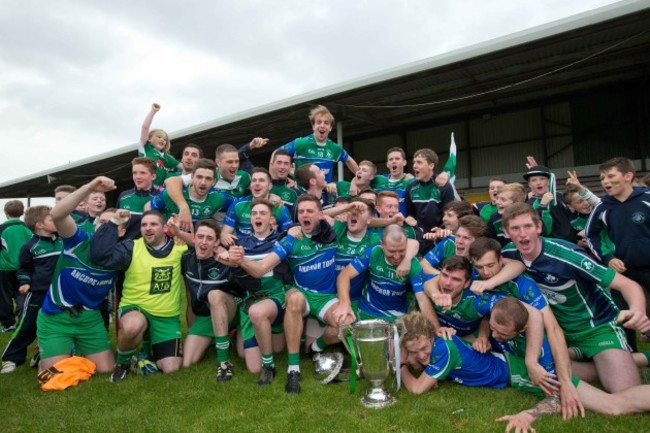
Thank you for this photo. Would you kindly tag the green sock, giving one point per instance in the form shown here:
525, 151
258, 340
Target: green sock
319, 344
267, 359
293, 359
222, 344
124, 356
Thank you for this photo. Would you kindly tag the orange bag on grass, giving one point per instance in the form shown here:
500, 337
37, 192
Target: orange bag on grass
65, 373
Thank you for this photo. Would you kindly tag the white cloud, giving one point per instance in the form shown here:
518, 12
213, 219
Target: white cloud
77, 77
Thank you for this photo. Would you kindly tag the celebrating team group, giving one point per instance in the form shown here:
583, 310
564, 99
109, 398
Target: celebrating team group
543, 291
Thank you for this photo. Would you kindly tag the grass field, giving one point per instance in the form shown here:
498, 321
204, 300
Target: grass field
191, 400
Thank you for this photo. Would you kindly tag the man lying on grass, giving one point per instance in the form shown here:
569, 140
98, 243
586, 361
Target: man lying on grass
456, 360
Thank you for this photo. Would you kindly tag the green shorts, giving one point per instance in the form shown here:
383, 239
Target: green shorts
520, 380
58, 332
245, 324
363, 315
202, 326
317, 303
595, 340
160, 329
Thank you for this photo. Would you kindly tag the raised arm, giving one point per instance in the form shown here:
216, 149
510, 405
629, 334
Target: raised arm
105, 247
352, 165
65, 225
146, 123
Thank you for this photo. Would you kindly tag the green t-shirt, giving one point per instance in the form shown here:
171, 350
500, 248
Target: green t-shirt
237, 187
215, 201
165, 163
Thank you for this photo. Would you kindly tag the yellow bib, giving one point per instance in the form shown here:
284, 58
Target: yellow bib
154, 284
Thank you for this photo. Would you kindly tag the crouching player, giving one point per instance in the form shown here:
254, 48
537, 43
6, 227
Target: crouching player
150, 300
213, 297
71, 309
262, 314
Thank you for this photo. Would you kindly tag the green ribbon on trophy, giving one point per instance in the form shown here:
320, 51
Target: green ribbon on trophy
353, 365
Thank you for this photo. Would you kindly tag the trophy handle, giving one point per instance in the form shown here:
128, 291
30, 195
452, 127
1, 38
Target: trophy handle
401, 328
346, 335
398, 331
344, 331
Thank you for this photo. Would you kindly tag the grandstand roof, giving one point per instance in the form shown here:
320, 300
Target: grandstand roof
604, 46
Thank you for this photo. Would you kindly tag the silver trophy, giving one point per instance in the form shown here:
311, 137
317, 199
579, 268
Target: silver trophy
376, 346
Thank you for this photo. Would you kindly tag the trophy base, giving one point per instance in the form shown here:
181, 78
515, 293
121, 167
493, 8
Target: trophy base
377, 398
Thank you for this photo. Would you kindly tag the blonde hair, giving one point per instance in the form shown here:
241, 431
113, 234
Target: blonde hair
168, 143
370, 164
320, 110
516, 190
416, 325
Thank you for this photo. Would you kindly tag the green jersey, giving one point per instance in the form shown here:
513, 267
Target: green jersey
385, 294
134, 200
410, 231
347, 249
13, 235
165, 163
312, 263
443, 249
306, 150
239, 217
215, 201
574, 284
235, 188
385, 183
466, 315
288, 195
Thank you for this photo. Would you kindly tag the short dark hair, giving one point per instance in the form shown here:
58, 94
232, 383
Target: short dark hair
204, 163
308, 197
460, 208
624, 165
473, 224
569, 191
457, 263
396, 149
369, 203
280, 152
65, 188
147, 162
262, 170
483, 245
14, 208
510, 311
194, 146
304, 175
264, 201
429, 154
155, 213
211, 224
342, 199
518, 209
223, 148
36, 214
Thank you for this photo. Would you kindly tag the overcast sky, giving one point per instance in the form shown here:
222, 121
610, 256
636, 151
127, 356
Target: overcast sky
77, 77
